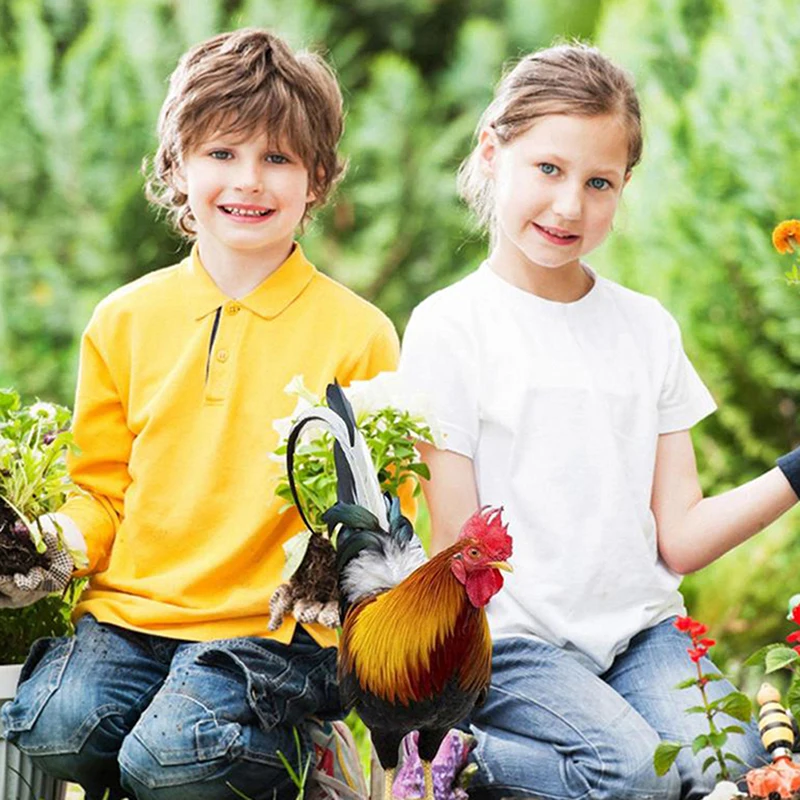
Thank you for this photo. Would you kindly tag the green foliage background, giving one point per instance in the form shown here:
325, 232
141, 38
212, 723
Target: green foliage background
81, 82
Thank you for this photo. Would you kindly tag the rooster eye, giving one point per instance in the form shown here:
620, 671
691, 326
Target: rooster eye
474, 552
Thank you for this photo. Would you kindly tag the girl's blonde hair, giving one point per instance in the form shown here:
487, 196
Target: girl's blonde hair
247, 82
565, 79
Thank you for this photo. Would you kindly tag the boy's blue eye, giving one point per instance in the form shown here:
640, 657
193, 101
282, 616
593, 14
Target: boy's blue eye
277, 158
221, 155
548, 169
599, 183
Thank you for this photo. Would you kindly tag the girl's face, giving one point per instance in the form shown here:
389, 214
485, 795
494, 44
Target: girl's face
556, 188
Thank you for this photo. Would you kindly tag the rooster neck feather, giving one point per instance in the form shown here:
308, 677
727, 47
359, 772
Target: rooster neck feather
406, 644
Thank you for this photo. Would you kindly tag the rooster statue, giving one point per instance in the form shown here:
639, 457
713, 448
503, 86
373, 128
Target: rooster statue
415, 650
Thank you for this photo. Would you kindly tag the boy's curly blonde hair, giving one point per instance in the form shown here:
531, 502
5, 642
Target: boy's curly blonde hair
247, 82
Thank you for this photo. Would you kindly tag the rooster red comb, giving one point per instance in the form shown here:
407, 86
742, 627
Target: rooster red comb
487, 526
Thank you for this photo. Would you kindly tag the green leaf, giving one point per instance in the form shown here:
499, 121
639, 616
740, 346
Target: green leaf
733, 729
737, 705
421, 469
686, 683
718, 739
734, 758
793, 696
295, 549
665, 755
708, 762
714, 676
699, 742
695, 710
780, 657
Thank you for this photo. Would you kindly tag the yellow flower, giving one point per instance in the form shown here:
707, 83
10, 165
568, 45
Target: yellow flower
787, 230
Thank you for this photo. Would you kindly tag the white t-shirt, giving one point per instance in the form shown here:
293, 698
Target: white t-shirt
560, 406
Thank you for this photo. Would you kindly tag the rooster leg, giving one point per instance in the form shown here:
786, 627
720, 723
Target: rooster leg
427, 771
388, 777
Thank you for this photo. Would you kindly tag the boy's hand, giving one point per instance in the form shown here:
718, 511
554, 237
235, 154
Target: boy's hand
23, 589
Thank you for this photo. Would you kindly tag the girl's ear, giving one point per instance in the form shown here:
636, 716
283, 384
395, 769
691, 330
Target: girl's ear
488, 145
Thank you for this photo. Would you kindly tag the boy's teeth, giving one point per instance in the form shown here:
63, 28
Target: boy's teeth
245, 212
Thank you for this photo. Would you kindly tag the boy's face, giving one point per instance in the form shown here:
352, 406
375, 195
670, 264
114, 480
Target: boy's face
247, 196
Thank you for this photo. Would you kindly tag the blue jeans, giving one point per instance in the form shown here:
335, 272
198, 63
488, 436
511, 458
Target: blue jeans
553, 728
159, 719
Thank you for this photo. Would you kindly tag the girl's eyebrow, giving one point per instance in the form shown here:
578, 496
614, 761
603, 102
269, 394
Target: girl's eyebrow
597, 170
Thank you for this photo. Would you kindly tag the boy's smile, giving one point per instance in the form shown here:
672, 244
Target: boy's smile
247, 213
248, 197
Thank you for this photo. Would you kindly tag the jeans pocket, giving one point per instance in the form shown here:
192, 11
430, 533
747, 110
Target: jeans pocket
258, 693
313, 689
40, 677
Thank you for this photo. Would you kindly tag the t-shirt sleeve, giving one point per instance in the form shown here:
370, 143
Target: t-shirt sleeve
99, 467
438, 363
380, 354
684, 399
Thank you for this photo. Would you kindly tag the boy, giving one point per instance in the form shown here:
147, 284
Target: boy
172, 686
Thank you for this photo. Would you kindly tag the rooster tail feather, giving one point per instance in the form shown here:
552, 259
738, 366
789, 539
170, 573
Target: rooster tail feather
338, 402
357, 481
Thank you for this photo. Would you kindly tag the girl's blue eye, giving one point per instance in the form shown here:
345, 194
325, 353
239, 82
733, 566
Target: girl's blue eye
277, 158
599, 183
548, 169
221, 155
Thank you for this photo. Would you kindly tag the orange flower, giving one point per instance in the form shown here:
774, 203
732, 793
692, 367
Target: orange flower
786, 230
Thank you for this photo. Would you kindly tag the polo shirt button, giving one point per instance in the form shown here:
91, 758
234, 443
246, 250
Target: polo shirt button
234, 308
222, 355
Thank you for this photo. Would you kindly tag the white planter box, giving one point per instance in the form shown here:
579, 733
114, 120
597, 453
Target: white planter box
19, 779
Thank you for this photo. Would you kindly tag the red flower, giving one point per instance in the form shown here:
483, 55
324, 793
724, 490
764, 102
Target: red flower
794, 636
796, 614
696, 653
691, 626
707, 643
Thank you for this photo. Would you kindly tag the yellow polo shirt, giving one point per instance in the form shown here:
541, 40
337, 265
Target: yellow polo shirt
178, 388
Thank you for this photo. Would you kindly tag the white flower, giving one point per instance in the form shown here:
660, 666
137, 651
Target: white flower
388, 390
725, 790
44, 411
284, 425
298, 387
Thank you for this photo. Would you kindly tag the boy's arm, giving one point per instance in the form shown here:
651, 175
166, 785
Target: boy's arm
693, 531
381, 354
100, 467
451, 493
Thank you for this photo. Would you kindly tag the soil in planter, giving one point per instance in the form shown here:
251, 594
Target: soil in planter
17, 551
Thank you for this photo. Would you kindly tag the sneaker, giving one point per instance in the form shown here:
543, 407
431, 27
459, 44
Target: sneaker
451, 770
338, 774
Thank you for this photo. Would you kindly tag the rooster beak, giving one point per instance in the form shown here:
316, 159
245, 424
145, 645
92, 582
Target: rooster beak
503, 565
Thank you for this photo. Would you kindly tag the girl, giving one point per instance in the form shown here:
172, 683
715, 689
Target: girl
568, 399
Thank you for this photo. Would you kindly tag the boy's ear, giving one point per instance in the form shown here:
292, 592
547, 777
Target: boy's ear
179, 179
488, 145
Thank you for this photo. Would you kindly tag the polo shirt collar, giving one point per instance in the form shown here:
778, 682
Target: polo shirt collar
274, 294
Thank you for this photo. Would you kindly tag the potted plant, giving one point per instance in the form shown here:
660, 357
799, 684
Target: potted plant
34, 440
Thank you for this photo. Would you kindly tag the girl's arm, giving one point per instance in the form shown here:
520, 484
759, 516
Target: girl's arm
451, 494
693, 531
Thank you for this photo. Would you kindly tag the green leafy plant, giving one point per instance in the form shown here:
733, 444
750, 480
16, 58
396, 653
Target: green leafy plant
734, 704
779, 655
34, 440
390, 427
